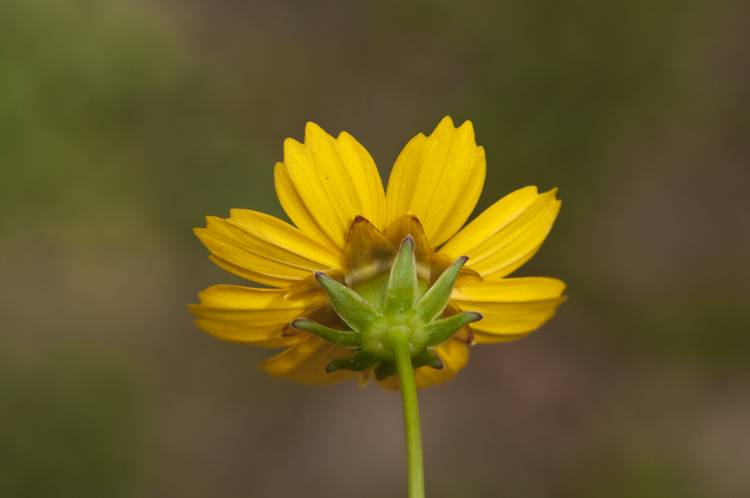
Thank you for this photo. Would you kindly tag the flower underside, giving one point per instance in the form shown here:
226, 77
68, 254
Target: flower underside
352, 244
389, 292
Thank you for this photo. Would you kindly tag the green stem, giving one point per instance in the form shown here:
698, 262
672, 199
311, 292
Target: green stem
400, 348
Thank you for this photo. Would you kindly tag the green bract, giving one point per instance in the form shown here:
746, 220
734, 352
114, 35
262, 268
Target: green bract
391, 314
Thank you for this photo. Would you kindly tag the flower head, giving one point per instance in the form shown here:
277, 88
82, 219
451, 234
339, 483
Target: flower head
349, 238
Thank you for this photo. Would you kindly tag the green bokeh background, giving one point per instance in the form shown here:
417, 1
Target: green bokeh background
124, 122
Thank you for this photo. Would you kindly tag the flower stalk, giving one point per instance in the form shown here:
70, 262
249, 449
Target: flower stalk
394, 331
399, 344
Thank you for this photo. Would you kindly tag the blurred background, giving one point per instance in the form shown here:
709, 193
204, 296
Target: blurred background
123, 123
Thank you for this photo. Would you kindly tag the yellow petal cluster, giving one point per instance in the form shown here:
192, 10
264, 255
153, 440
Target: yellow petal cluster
324, 184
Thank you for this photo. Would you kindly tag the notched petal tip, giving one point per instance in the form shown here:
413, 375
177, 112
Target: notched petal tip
446, 122
312, 129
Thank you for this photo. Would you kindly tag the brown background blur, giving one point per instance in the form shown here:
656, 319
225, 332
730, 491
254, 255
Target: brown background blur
124, 122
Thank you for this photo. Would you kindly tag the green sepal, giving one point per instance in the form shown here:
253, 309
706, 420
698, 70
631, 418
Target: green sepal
373, 291
357, 362
436, 298
398, 317
343, 338
354, 310
439, 331
402, 283
385, 370
427, 358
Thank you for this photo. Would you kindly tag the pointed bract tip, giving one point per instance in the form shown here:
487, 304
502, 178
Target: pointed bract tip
331, 367
478, 316
359, 218
320, 274
408, 240
294, 322
435, 361
463, 260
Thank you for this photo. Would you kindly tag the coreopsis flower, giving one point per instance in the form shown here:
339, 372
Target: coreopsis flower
361, 260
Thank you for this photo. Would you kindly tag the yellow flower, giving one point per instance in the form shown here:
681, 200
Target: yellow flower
349, 228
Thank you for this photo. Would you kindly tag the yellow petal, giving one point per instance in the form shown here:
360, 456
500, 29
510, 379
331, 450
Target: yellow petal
295, 207
325, 182
249, 315
249, 274
264, 249
454, 354
438, 179
243, 334
306, 362
511, 307
507, 234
